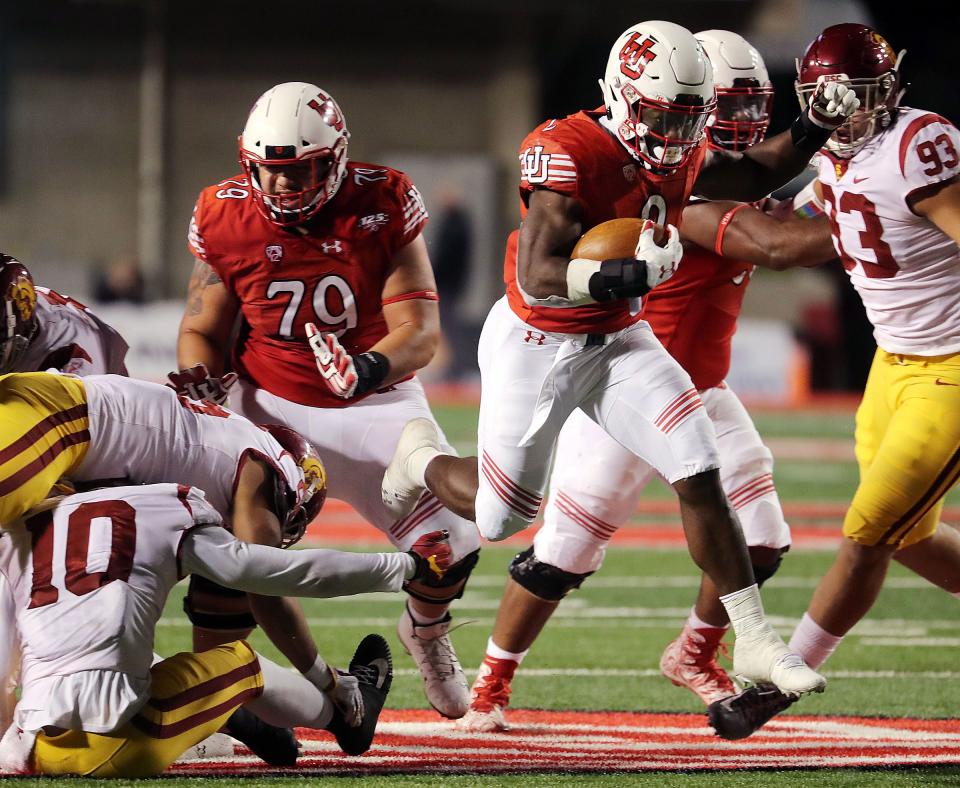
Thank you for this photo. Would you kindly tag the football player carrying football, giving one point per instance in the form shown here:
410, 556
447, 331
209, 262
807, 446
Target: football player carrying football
889, 182
83, 583
596, 482
569, 334
325, 261
41, 330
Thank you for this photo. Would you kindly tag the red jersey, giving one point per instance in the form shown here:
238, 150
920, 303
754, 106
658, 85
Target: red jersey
694, 313
329, 271
576, 156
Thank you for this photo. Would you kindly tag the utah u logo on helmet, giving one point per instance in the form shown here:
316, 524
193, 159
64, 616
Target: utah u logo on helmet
634, 56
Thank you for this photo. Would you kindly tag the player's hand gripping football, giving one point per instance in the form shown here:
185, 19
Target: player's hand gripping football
662, 261
335, 364
433, 556
197, 383
832, 104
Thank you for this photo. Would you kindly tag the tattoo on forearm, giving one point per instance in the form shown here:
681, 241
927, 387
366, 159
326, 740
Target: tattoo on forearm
202, 276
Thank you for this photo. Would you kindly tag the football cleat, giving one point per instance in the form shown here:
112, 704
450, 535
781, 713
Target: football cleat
398, 490
373, 668
488, 702
767, 659
429, 644
691, 661
273, 745
742, 715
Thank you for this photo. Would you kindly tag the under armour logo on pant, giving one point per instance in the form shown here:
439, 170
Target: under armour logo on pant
535, 336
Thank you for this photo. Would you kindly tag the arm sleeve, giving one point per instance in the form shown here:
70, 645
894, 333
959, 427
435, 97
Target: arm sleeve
194, 238
545, 163
215, 554
412, 216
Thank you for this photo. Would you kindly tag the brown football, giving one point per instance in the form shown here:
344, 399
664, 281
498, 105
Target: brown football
616, 238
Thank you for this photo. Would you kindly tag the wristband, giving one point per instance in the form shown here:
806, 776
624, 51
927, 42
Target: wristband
320, 675
808, 136
622, 277
578, 280
722, 227
372, 369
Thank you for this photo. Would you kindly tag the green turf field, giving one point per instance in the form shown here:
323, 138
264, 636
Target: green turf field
601, 650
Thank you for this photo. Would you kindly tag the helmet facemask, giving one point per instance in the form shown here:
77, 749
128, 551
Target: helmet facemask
878, 97
318, 177
663, 133
742, 116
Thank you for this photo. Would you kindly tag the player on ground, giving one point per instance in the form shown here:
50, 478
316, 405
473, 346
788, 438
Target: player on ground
569, 335
86, 579
42, 330
889, 182
268, 483
596, 482
325, 260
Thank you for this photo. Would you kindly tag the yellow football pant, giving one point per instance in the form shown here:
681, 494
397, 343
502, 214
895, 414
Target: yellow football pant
44, 434
908, 448
192, 696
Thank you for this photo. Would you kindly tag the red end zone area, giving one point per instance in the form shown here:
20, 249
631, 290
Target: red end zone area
592, 742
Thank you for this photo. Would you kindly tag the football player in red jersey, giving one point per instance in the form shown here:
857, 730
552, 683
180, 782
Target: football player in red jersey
324, 260
596, 482
569, 334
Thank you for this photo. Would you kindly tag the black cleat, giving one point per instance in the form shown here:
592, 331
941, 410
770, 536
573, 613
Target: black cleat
273, 745
373, 667
741, 715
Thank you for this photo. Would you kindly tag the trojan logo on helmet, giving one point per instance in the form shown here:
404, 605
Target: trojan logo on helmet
658, 91
18, 301
859, 57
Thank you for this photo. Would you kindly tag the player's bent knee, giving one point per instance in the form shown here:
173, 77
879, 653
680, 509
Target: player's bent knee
544, 580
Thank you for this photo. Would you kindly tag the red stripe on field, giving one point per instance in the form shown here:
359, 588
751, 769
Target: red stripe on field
420, 742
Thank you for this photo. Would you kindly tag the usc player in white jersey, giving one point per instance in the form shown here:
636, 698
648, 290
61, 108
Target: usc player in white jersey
596, 482
889, 183
267, 482
324, 259
83, 583
569, 335
42, 329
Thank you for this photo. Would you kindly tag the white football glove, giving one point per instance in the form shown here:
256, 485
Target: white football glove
832, 103
335, 364
662, 261
197, 383
346, 696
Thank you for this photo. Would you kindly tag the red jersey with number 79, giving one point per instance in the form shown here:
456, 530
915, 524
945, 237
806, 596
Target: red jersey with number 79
577, 157
329, 271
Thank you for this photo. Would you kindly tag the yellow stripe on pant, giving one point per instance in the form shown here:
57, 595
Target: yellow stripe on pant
192, 696
44, 434
908, 448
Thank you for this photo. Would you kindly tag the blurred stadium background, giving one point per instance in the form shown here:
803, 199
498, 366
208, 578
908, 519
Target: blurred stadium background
115, 113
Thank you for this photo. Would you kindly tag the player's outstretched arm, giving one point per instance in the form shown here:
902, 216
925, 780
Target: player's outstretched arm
207, 321
740, 232
942, 207
770, 164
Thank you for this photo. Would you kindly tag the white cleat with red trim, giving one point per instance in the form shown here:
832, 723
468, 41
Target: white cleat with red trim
399, 489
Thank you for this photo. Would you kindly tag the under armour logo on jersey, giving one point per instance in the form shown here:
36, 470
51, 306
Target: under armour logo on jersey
274, 253
634, 56
740, 278
331, 247
535, 336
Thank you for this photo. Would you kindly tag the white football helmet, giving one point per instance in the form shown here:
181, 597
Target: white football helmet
294, 123
658, 91
744, 91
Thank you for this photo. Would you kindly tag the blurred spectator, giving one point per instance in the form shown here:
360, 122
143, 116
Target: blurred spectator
120, 281
451, 266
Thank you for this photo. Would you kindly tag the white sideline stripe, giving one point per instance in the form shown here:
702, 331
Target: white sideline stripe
690, 581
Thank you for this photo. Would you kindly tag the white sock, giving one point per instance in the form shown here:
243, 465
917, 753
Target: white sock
418, 461
493, 650
289, 700
746, 612
695, 622
813, 642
